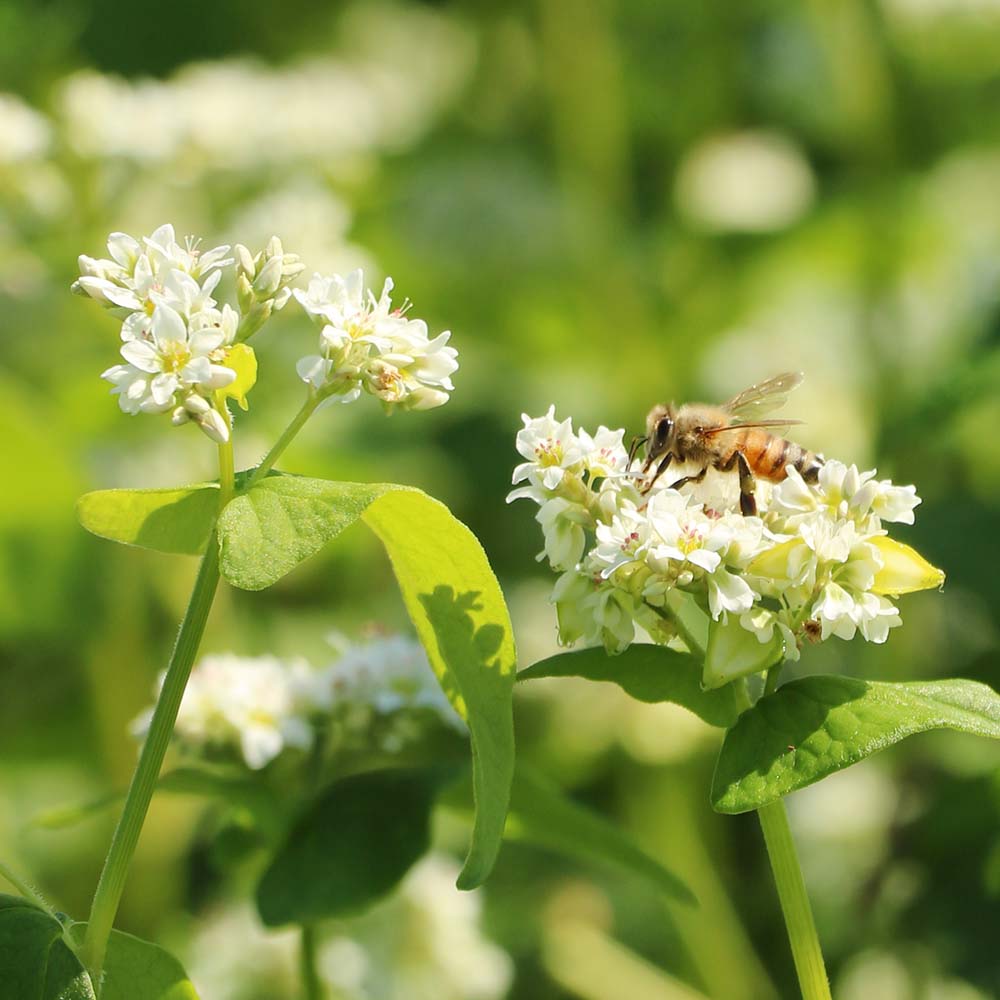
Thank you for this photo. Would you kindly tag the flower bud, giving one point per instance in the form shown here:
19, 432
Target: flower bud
196, 404
267, 281
245, 261
214, 426
179, 416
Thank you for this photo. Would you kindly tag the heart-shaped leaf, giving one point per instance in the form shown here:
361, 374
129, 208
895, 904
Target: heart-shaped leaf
648, 673
814, 726
351, 848
173, 520
265, 533
138, 970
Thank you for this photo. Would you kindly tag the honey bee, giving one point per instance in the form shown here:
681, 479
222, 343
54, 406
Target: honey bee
727, 437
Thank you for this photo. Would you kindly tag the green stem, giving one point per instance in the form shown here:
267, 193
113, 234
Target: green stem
140, 792
298, 421
794, 902
312, 986
25, 889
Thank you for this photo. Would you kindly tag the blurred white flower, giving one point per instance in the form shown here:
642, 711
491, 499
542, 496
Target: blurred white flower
424, 943
389, 674
27, 134
257, 706
814, 563
367, 344
745, 181
400, 68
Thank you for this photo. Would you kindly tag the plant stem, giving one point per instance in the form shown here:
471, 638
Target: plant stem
794, 902
25, 889
227, 471
312, 987
140, 792
298, 421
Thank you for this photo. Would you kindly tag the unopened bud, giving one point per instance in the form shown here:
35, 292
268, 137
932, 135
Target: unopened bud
214, 426
244, 260
179, 416
274, 248
266, 283
196, 404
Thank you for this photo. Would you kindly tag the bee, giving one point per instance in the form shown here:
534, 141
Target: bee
727, 437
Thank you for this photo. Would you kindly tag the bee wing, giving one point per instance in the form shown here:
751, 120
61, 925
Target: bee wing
764, 397
772, 425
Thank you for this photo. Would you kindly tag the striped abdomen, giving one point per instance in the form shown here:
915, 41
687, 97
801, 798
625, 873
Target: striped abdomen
768, 455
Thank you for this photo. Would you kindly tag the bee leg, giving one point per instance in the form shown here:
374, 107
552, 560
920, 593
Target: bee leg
637, 442
748, 503
660, 469
684, 480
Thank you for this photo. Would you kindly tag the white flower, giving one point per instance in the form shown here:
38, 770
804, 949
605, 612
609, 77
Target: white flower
604, 454
551, 449
256, 705
173, 361
365, 344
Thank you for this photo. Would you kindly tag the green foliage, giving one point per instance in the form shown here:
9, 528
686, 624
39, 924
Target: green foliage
459, 613
37, 961
351, 848
270, 529
446, 581
177, 520
646, 672
814, 726
540, 813
137, 970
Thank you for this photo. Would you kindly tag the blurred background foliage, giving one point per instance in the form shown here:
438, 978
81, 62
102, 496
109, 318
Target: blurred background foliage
610, 204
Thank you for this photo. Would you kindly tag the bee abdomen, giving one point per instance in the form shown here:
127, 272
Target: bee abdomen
771, 456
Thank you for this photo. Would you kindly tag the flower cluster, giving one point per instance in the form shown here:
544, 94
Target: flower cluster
815, 562
366, 344
259, 706
185, 355
180, 349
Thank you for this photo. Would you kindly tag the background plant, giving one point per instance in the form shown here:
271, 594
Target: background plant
860, 248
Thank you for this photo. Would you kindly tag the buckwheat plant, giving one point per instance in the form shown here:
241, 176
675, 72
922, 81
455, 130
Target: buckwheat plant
184, 360
722, 602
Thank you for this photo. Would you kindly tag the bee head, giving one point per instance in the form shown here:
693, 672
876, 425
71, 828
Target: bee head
659, 433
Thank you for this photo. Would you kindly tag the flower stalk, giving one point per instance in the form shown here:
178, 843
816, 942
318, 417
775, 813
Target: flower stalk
794, 900
143, 784
313, 399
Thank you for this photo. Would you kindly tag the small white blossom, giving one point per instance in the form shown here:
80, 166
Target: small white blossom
366, 344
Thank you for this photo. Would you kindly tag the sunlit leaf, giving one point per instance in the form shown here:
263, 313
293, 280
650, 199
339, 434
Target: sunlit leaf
265, 533
243, 361
351, 848
734, 652
648, 673
814, 726
169, 520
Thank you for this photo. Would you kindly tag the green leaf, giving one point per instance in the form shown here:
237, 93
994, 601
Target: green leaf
172, 520
648, 673
458, 611
541, 813
265, 533
814, 726
351, 848
35, 961
137, 970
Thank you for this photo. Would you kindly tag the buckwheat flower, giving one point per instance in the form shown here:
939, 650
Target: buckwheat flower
173, 361
367, 345
254, 706
815, 562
